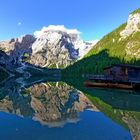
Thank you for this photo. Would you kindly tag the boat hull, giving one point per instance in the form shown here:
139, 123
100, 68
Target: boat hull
108, 85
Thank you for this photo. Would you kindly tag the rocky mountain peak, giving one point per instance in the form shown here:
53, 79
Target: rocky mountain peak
52, 46
57, 46
59, 35
21, 43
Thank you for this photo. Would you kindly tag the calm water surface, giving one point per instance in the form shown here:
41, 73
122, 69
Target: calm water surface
38, 110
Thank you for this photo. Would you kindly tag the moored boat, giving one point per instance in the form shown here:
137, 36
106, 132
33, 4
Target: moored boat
108, 85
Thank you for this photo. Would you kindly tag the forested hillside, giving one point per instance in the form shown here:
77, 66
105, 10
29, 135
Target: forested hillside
120, 46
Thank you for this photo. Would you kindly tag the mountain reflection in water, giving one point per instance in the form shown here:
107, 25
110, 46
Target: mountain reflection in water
54, 104
49, 103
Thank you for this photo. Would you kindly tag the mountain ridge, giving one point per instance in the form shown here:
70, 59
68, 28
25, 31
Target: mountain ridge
52, 46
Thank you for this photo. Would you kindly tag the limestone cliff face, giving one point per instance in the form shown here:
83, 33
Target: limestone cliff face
132, 29
21, 43
133, 25
52, 49
14, 51
58, 47
53, 46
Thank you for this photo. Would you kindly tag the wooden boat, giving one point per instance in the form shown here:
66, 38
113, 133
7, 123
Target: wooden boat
108, 85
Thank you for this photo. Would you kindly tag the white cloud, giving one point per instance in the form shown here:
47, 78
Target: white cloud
19, 24
56, 28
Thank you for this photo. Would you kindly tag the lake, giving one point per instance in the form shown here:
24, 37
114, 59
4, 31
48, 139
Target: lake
49, 109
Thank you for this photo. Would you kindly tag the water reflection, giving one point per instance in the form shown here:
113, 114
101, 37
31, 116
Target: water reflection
51, 103
119, 99
119, 109
56, 105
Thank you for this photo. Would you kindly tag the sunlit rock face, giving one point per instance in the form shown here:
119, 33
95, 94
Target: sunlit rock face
17, 45
133, 25
52, 104
132, 29
57, 46
52, 46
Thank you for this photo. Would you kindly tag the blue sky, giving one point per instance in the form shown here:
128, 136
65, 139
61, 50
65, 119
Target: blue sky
94, 18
